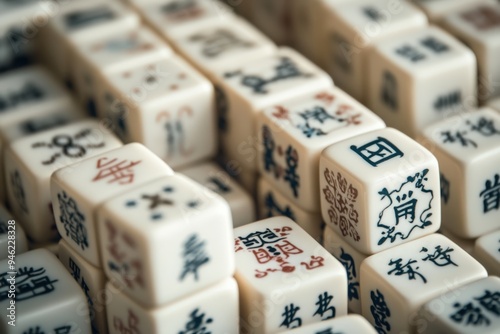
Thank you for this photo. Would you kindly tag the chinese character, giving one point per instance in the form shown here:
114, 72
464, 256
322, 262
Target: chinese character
273, 207
328, 330
490, 301
82, 18
289, 319
484, 126
380, 312
41, 124
219, 41
377, 151
35, 330
182, 10
457, 137
194, 257
406, 269
482, 17
286, 69
389, 92
440, 257
435, 45
18, 191
323, 303
75, 269
269, 147
219, 186
73, 220
62, 330
491, 194
469, 314
448, 101
349, 265
30, 283
291, 176
259, 239
445, 188
197, 324
115, 171
373, 13
402, 213
411, 53
174, 126
222, 108
67, 146
130, 328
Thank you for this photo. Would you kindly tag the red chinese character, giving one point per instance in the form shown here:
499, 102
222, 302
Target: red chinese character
114, 170
130, 328
315, 262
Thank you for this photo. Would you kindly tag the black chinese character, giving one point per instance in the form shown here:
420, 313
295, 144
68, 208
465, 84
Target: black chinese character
440, 257
286, 69
432, 43
380, 312
406, 269
197, 324
273, 209
30, 283
291, 176
491, 194
324, 307
445, 188
469, 315
220, 186
68, 146
457, 137
373, 13
36, 330
289, 318
411, 53
41, 124
490, 301
73, 220
18, 191
389, 92
484, 126
219, 41
28, 93
222, 106
377, 151
62, 330
194, 256
349, 265
75, 269
269, 147
448, 101
258, 239
80, 19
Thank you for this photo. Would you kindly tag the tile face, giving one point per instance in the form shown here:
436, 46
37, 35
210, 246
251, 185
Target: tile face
436, 10
466, 147
272, 204
421, 78
487, 251
293, 134
167, 106
214, 178
109, 54
470, 308
91, 281
278, 264
30, 161
173, 17
351, 260
45, 296
12, 238
427, 267
77, 191
223, 44
166, 239
479, 27
245, 90
200, 313
379, 190
349, 324
352, 28
80, 21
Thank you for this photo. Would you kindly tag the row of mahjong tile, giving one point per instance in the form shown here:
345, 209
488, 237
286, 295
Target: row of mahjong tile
338, 35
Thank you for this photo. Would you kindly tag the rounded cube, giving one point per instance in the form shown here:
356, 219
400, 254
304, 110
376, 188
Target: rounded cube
39, 295
478, 26
487, 251
293, 134
379, 190
213, 310
30, 162
467, 149
472, 308
395, 283
286, 278
166, 239
420, 78
167, 106
79, 189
